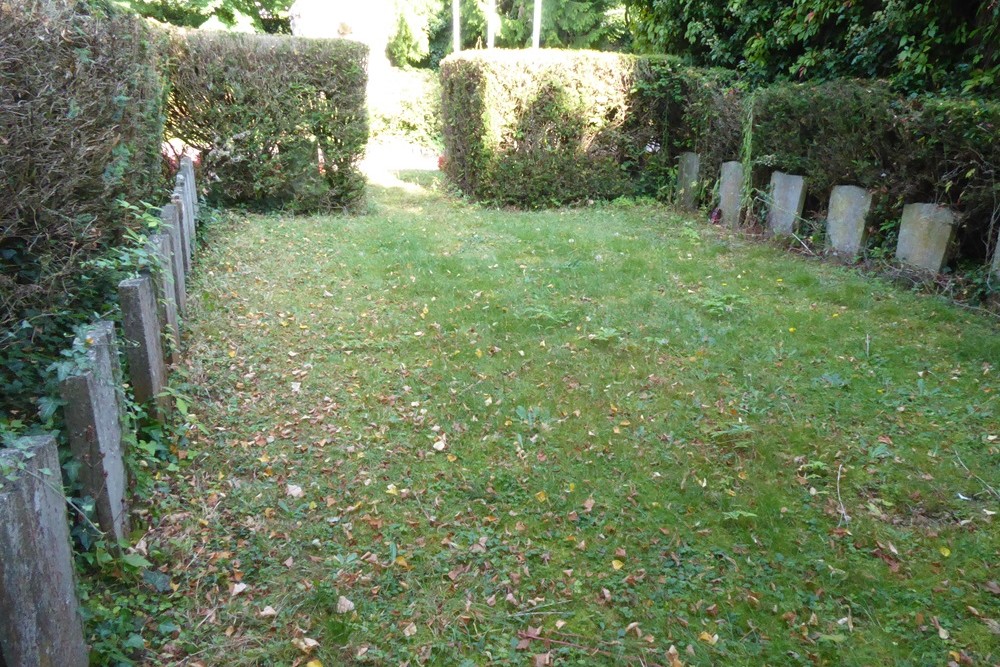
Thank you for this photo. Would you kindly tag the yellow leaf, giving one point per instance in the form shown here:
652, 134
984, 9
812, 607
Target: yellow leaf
314, 663
479, 353
232, 353
617, 564
400, 561
392, 490
945, 551
452, 458
541, 496
709, 639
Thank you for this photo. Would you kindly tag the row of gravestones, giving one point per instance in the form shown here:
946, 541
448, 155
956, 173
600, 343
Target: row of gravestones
925, 234
39, 615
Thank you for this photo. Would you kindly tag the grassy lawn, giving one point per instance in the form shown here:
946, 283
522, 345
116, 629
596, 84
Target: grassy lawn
574, 437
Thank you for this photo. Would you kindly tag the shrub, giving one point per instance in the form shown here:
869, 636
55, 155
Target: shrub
839, 132
548, 128
280, 121
81, 124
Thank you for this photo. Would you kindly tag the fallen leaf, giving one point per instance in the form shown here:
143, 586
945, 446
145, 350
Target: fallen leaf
268, 612
236, 589
294, 491
410, 630
314, 663
617, 564
305, 644
543, 659
541, 496
709, 639
344, 606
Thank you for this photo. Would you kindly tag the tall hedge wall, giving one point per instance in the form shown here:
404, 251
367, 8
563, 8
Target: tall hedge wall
917, 149
544, 128
81, 123
280, 121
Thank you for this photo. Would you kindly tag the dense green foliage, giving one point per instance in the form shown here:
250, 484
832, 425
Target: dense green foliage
264, 15
930, 44
81, 123
280, 121
556, 127
424, 32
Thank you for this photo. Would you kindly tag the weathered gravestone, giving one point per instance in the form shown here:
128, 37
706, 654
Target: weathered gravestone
160, 248
731, 193
925, 235
177, 199
995, 268
688, 185
788, 197
172, 228
143, 346
94, 421
40, 623
187, 168
847, 220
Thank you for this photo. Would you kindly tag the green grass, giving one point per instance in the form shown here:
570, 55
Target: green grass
638, 421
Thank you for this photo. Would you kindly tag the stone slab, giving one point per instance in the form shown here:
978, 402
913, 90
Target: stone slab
143, 347
95, 424
788, 197
847, 220
731, 193
40, 622
170, 218
187, 168
162, 275
995, 267
688, 180
925, 235
187, 253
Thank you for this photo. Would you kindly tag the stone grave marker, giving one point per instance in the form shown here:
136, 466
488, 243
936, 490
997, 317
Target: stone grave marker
94, 421
788, 197
172, 228
731, 193
177, 199
162, 275
39, 614
688, 185
143, 345
847, 220
925, 235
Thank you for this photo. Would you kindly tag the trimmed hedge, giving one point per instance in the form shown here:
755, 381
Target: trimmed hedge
81, 124
280, 121
547, 128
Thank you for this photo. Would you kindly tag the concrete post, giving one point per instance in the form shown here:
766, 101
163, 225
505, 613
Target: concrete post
142, 342
162, 275
94, 420
788, 197
39, 615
